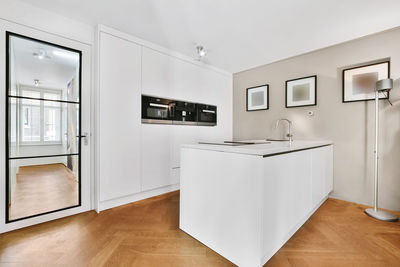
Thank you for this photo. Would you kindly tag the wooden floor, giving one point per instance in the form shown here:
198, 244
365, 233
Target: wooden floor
43, 188
146, 233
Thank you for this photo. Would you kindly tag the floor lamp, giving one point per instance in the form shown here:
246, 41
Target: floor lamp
381, 86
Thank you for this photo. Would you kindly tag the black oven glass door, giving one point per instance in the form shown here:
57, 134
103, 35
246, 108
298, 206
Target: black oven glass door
207, 113
208, 116
157, 111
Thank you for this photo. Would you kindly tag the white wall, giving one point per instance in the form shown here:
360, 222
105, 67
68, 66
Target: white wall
46, 21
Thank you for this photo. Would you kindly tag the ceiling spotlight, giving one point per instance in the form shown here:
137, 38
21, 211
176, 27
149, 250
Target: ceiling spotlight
36, 82
41, 54
201, 51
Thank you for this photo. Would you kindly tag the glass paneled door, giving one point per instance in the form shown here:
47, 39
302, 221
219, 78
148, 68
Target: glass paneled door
43, 142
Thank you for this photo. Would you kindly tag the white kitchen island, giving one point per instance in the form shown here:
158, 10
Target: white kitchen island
245, 202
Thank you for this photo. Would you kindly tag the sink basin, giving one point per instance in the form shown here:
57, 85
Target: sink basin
236, 143
239, 142
247, 142
224, 143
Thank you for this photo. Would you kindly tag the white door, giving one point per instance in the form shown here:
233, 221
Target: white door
45, 136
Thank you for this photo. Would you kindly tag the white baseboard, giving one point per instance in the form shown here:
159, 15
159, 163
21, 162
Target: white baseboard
112, 203
333, 196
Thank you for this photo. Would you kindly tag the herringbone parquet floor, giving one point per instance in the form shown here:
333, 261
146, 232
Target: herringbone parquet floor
146, 233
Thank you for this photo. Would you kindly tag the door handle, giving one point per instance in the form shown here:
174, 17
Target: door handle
85, 136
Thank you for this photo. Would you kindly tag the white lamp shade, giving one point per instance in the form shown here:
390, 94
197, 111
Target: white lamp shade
384, 85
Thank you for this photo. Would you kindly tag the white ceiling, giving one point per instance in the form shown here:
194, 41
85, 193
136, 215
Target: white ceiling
54, 71
239, 34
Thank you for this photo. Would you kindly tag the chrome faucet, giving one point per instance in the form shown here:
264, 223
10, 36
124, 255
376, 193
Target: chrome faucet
289, 134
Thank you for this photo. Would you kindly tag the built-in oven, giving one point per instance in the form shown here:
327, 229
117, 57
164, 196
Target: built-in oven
158, 110
154, 108
206, 114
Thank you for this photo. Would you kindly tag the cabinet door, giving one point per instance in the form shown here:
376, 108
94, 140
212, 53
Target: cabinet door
322, 176
181, 135
119, 117
159, 74
156, 156
329, 168
287, 195
170, 77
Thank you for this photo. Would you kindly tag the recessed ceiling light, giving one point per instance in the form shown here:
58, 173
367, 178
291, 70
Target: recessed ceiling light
36, 82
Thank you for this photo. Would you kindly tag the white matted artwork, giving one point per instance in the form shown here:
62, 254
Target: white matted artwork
301, 92
359, 82
257, 98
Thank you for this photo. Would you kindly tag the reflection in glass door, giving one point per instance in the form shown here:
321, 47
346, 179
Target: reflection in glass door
43, 128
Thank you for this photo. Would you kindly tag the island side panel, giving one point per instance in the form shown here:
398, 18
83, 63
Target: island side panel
287, 197
322, 173
220, 202
295, 185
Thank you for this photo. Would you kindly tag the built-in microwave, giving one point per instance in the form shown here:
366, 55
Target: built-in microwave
155, 108
206, 114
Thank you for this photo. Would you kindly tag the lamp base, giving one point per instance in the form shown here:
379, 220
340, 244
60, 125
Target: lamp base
382, 215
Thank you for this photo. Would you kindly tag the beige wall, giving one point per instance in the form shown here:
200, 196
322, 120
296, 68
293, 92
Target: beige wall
349, 125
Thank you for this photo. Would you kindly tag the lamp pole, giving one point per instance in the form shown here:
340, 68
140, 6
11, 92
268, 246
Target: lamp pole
381, 86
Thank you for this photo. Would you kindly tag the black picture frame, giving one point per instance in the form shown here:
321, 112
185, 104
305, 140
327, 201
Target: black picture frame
363, 66
8, 96
247, 97
296, 79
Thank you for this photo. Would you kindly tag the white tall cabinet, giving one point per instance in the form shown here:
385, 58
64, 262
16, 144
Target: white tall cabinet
120, 117
170, 77
134, 160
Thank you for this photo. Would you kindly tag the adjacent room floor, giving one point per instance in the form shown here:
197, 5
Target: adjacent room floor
146, 233
43, 188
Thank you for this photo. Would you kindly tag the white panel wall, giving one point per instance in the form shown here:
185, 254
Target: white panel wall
170, 77
119, 113
138, 160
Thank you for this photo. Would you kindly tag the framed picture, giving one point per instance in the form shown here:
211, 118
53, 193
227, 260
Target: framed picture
359, 82
301, 92
257, 98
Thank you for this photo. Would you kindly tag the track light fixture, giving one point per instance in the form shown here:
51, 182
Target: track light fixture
201, 51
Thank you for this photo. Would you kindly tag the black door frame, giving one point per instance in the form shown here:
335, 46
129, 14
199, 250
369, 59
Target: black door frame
7, 135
